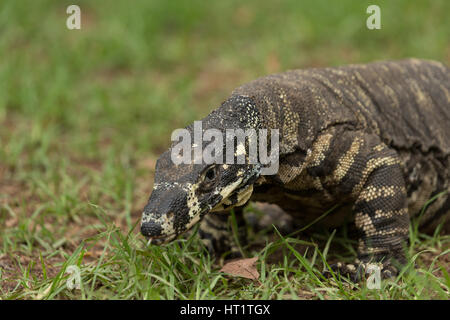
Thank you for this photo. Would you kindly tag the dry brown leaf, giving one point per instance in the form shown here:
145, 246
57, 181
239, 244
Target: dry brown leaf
244, 268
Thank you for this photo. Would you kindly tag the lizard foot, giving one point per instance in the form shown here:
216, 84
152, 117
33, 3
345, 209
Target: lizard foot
360, 271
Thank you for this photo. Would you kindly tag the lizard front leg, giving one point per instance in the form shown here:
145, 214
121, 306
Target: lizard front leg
217, 235
372, 173
381, 215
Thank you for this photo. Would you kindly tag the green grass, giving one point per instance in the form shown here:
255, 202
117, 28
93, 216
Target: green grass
84, 114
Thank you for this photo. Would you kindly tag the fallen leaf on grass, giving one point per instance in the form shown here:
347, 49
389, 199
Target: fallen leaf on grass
244, 268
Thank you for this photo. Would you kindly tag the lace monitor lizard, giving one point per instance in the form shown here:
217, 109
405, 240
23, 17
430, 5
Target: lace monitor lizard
373, 139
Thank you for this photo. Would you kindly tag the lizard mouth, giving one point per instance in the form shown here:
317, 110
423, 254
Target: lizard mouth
154, 232
159, 240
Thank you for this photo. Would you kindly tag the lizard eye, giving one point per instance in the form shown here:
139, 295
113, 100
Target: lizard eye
209, 179
210, 174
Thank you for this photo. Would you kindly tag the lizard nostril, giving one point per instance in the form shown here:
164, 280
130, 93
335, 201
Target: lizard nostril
151, 229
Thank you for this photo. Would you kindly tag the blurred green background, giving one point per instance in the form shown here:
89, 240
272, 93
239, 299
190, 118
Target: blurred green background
138, 69
85, 113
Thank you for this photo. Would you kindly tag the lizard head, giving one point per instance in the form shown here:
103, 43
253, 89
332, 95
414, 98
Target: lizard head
184, 192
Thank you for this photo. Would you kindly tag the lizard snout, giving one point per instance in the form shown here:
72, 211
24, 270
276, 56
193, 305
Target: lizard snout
159, 218
151, 229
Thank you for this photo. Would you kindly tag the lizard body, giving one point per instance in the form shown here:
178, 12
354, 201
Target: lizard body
373, 139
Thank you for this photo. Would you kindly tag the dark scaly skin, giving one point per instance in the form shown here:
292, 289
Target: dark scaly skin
372, 139
215, 232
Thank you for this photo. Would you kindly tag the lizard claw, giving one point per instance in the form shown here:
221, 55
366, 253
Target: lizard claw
350, 271
359, 271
